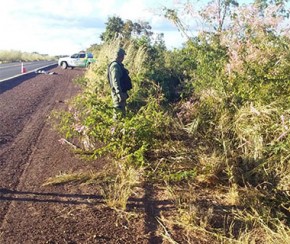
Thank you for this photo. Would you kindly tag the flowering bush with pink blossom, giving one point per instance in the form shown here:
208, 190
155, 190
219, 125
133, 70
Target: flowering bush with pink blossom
258, 51
238, 111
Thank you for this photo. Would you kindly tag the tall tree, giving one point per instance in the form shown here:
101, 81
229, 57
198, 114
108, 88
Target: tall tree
114, 28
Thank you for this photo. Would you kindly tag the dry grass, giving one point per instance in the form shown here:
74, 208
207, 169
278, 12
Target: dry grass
260, 232
64, 178
14, 56
118, 191
116, 183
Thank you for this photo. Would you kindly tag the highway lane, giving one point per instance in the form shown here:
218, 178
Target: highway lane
14, 69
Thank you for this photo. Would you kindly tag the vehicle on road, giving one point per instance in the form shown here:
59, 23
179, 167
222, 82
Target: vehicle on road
81, 59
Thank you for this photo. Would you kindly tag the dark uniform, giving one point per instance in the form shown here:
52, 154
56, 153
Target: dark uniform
115, 74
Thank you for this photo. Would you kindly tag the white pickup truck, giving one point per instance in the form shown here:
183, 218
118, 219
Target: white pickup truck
82, 59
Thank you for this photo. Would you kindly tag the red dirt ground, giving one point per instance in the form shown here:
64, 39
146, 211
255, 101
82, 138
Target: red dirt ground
30, 153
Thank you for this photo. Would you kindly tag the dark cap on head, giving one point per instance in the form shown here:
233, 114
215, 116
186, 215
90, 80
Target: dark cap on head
121, 52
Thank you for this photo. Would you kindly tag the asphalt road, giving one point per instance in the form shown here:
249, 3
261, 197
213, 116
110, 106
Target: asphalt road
14, 69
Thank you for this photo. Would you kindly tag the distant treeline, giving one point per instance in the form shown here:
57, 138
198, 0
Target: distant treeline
17, 56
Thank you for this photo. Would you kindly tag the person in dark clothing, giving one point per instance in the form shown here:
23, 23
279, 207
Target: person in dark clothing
120, 83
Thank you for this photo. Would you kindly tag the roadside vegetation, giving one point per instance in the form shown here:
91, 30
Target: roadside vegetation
8, 56
208, 125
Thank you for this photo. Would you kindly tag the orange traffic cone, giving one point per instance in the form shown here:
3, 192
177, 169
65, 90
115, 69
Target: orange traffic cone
23, 70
